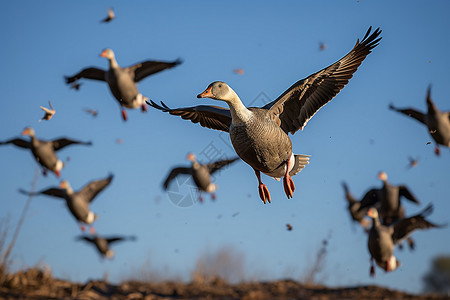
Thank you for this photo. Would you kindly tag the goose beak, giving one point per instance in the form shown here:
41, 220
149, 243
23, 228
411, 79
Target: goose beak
206, 94
103, 54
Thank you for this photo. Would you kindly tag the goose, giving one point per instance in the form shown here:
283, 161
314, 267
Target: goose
102, 243
122, 81
438, 122
388, 198
77, 201
260, 135
382, 238
49, 112
44, 151
353, 207
110, 16
201, 174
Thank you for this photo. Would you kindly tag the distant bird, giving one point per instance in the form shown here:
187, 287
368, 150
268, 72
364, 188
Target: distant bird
102, 243
110, 16
438, 122
388, 198
122, 81
239, 71
201, 174
260, 135
48, 112
354, 206
382, 239
92, 112
77, 201
44, 151
289, 227
413, 162
322, 46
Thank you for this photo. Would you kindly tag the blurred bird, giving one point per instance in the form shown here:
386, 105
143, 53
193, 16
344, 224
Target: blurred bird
110, 16
77, 201
382, 238
438, 122
239, 71
413, 162
76, 86
322, 46
122, 81
44, 151
388, 198
102, 243
260, 135
201, 174
92, 112
289, 227
48, 112
353, 208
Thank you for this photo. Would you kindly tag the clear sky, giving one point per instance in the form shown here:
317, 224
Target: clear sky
352, 138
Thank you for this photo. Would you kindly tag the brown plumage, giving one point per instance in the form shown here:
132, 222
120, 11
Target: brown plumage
122, 81
48, 112
102, 244
44, 151
260, 135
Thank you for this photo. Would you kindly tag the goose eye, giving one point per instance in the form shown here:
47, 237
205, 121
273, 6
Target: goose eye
220, 85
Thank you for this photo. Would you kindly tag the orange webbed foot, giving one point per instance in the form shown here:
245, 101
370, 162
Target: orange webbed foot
289, 186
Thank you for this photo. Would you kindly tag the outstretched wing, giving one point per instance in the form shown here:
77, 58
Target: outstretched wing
209, 116
405, 226
410, 112
85, 238
54, 192
17, 142
88, 73
403, 191
369, 199
141, 70
91, 190
120, 238
63, 142
174, 173
293, 109
213, 167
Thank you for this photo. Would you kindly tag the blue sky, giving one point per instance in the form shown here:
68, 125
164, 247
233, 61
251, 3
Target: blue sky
352, 138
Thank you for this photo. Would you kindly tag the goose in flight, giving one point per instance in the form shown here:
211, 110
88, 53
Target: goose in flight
260, 134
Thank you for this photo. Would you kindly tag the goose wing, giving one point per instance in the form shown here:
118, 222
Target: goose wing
213, 167
88, 73
213, 117
17, 142
410, 112
63, 142
174, 173
93, 188
141, 70
54, 192
298, 104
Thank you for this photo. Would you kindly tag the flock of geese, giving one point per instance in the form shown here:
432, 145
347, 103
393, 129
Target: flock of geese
260, 137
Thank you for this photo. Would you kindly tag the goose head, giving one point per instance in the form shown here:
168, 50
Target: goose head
382, 176
66, 186
109, 253
219, 90
373, 213
28, 131
108, 53
191, 157
391, 264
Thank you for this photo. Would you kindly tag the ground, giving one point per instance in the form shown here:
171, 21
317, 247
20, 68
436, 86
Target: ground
37, 284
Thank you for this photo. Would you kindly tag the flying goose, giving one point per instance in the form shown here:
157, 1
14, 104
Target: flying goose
122, 81
438, 122
102, 243
110, 16
260, 135
44, 151
201, 174
382, 238
388, 198
49, 112
77, 201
